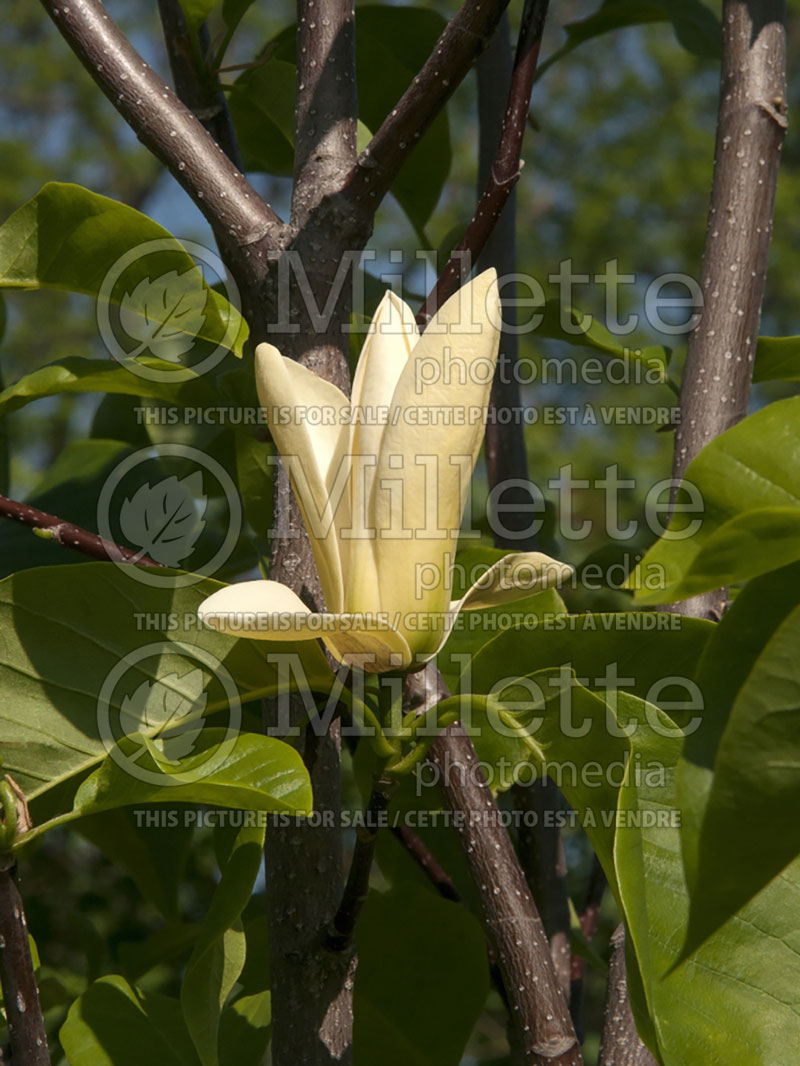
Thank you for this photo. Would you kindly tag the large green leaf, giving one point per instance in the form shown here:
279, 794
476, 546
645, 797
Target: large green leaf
695, 25
77, 374
738, 779
415, 948
69, 238
647, 653
68, 629
734, 1001
248, 771
208, 982
749, 478
114, 1024
219, 955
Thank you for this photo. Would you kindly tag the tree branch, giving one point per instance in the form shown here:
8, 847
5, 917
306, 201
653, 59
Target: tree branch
245, 226
507, 167
461, 42
622, 1045
198, 89
541, 1026
541, 856
750, 131
26, 1030
312, 1019
20, 994
71, 536
312, 985
327, 105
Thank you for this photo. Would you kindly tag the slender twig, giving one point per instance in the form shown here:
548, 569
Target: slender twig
750, 131
589, 918
506, 454
70, 536
622, 1045
541, 1027
461, 42
239, 217
427, 862
507, 167
195, 85
340, 935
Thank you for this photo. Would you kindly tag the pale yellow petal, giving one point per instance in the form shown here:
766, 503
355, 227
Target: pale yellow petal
309, 422
263, 610
392, 334
514, 577
267, 610
429, 449
375, 650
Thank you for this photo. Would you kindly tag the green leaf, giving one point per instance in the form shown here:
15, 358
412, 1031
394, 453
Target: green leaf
749, 478
219, 955
206, 986
114, 1024
196, 11
249, 772
254, 477
414, 947
154, 858
734, 1000
777, 359
69, 238
233, 11
563, 323
695, 25
636, 651
68, 628
738, 777
244, 1030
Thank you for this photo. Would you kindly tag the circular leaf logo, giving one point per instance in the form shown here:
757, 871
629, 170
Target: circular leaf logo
155, 729
156, 306
164, 516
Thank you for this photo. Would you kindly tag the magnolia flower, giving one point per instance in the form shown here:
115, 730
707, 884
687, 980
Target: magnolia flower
382, 482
